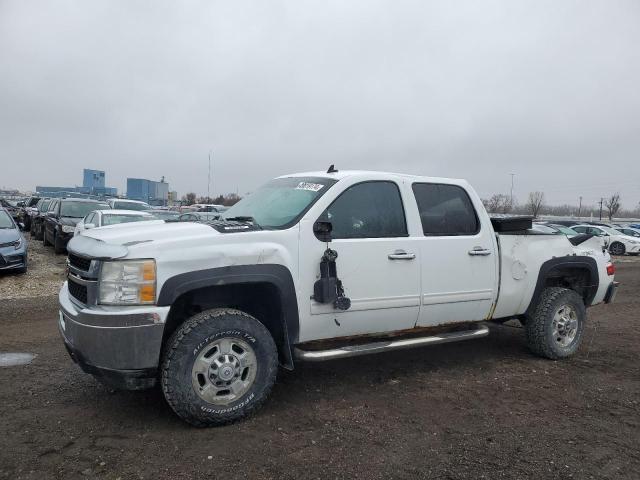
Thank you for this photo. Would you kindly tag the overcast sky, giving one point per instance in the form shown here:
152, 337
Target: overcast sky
548, 90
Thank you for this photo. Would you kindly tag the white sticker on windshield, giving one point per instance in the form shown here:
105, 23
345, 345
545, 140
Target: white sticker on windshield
311, 187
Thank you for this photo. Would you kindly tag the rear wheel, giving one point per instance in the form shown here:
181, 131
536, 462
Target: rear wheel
617, 248
218, 367
556, 327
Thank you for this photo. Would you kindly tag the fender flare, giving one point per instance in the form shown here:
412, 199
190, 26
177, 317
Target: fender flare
277, 275
575, 261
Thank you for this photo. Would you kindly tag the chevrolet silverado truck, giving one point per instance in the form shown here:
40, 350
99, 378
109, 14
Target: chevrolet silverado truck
313, 267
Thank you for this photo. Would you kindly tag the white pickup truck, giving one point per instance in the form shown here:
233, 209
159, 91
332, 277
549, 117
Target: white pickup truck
315, 266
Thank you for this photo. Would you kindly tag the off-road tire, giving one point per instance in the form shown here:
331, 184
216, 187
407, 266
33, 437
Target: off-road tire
190, 339
619, 247
539, 325
57, 247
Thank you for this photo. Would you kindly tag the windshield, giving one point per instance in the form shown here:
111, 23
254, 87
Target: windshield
130, 206
610, 231
44, 205
80, 209
5, 220
281, 202
114, 219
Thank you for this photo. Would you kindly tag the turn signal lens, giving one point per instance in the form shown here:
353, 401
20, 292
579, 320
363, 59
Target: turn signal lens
611, 269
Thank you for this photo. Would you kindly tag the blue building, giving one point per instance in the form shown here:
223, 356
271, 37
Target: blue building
93, 183
154, 193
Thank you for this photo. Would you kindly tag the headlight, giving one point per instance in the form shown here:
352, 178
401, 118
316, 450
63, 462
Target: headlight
17, 244
128, 282
68, 228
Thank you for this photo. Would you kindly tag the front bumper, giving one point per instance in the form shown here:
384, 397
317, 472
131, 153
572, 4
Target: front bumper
10, 258
119, 345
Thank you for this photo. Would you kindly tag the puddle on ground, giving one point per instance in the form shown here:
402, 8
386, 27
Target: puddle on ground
14, 359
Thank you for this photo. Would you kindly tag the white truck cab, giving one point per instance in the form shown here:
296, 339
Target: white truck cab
316, 266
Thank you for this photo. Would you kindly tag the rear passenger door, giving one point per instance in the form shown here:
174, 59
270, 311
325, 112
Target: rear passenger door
458, 253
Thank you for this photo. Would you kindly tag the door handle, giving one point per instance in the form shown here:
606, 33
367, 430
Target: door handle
479, 252
401, 255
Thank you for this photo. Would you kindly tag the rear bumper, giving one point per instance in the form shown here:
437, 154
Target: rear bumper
120, 346
612, 290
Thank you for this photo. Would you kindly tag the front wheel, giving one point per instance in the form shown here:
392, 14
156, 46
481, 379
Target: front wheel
58, 246
218, 367
557, 325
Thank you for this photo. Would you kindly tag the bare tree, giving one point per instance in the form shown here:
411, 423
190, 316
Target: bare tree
498, 203
535, 203
613, 205
189, 198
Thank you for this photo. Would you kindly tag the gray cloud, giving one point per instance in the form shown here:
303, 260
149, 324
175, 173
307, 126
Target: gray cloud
478, 90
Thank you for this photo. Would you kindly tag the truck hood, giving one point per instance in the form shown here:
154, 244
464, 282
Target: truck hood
114, 241
151, 231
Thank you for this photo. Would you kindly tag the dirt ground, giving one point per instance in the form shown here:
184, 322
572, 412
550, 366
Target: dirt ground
481, 409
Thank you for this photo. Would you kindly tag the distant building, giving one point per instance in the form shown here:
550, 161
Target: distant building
150, 191
92, 178
93, 183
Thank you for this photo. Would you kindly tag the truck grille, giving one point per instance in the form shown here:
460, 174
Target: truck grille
80, 263
79, 292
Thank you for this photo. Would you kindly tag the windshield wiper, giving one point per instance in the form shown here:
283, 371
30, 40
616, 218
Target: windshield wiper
243, 218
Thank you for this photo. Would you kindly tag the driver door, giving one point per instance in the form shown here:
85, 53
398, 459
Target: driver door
378, 264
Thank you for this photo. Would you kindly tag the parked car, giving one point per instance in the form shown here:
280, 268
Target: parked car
563, 229
619, 244
198, 216
13, 245
164, 214
11, 208
37, 219
315, 267
125, 204
62, 217
631, 232
26, 211
566, 223
103, 218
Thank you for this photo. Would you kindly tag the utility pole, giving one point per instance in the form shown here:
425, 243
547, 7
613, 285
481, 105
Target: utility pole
580, 207
209, 180
601, 200
512, 175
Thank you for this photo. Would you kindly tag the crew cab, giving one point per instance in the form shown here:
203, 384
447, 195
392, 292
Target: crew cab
313, 267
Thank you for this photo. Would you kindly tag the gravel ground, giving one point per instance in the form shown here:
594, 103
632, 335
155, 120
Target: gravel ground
44, 275
480, 409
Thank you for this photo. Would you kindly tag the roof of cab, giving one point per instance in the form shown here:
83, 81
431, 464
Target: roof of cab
374, 175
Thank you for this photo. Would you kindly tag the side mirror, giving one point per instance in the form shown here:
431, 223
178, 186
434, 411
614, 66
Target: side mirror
88, 226
21, 226
322, 231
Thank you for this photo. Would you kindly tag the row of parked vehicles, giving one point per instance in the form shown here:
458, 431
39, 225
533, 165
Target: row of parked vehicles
54, 221
619, 239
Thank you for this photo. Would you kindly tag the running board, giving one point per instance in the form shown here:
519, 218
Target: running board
379, 347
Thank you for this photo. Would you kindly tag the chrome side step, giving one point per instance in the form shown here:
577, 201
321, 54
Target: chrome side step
385, 346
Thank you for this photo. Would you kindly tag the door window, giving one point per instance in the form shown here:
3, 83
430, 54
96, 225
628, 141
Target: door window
368, 210
445, 210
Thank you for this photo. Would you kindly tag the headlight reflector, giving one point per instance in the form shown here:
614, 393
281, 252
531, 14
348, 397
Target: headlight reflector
128, 282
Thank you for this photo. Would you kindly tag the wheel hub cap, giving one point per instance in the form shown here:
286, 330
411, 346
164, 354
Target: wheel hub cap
224, 370
565, 325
